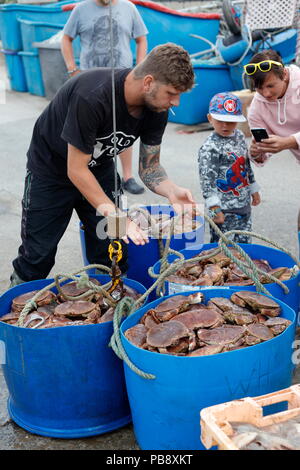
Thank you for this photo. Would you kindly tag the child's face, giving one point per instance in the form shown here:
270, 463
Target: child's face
223, 128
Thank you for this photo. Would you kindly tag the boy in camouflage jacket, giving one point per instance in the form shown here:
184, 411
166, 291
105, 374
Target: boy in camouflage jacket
226, 176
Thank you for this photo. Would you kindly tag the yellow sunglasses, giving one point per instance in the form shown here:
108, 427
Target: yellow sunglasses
263, 66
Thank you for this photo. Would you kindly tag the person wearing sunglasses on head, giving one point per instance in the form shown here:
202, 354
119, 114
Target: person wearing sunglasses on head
275, 106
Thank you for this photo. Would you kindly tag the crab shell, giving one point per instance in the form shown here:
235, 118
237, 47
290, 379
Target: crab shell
206, 351
10, 318
166, 334
200, 318
214, 272
137, 335
221, 336
75, 308
277, 324
260, 331
19, 302
71, 289
174, 305
259, 303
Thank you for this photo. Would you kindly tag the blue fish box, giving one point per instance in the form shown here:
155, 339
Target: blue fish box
63, 382
165, 410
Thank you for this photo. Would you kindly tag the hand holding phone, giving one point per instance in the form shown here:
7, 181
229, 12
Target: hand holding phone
259, 134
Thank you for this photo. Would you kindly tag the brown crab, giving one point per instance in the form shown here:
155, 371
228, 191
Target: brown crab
168, 335
282, 274
225, 336
19, 302
174, 305
71, 289
257, 333
78, 309
206, 351
214, 272
10, 318
200, 318
277, 325
257, 302
232, 313
137, 335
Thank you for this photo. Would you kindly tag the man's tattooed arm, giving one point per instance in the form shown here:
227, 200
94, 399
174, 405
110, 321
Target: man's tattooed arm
150, 170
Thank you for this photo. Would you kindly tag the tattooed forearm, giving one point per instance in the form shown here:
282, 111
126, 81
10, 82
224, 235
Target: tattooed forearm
150, 170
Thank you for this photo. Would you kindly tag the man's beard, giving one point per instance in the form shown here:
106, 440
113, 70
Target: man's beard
149, 102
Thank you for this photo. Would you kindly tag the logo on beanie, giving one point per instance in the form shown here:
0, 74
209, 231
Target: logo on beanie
230, 106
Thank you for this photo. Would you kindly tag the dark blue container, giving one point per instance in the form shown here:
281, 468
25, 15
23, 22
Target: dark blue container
165, 410
275, 257
141, 257
15, 70
63, 382
210, 79
33, 74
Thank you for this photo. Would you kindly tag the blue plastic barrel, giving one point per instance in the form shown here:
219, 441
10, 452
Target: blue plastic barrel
141, 257
33, 73
165, 410
63, 382
276, 259
15, 70
210, 79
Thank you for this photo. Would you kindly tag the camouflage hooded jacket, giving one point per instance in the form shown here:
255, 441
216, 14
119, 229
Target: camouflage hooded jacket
226, 176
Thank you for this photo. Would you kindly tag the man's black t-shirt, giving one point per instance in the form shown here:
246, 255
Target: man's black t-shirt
81, 114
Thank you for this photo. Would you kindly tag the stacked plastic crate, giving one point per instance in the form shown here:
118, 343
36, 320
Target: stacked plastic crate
20, 26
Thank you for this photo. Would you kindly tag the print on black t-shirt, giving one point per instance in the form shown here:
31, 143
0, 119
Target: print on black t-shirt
105, 146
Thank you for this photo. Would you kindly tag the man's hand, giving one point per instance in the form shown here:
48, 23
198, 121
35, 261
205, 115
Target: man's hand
134, 233
181, 199
255, 199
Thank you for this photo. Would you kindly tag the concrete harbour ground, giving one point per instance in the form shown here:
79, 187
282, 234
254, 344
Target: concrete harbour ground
275, 218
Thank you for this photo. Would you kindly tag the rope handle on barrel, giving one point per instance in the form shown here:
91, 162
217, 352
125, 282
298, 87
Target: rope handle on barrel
82, 281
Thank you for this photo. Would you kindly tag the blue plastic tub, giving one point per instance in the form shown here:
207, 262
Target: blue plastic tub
34, 79
63, 382
15, 70
165, 410
10, 13
140, 258
210, 79
34, 31
275, 257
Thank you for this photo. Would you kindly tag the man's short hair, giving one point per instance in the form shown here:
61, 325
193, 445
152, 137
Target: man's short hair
259, 77
170, 64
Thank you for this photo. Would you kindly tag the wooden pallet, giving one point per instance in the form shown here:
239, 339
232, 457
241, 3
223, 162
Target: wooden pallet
216, 429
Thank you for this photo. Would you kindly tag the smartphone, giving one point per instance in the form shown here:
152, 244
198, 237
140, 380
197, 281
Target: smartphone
259, 133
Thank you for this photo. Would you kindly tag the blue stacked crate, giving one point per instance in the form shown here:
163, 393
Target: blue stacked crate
32, 31
10, 31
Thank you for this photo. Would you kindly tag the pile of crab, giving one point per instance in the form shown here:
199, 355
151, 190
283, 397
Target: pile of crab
55, 310
219, 270
185, 326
